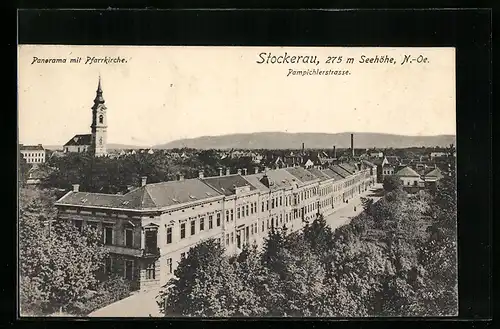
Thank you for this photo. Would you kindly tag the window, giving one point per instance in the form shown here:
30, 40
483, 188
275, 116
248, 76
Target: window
78, 225
251, 208
169, 235
183, 230
108, 268
210, 222
129, 237
262, 206
101, 119
247, 210
272, 203
227, 216
238, 213
193, 227
232, 238
108, 235
169, 265
281, 200
227, 239
129, 270
262, 226
218, 219
150, 271
202, 223
232, 215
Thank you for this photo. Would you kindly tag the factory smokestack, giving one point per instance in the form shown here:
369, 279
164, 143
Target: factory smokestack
334, 152
302, 148
352, 145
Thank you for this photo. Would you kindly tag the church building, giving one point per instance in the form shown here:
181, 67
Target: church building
96, 142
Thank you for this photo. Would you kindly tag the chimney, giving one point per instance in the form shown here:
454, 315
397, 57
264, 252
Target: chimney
334, 152
239, 171
256, 170
144, 180
76, 187
200, 174
245, 171
220, 171
352, 145
228, 171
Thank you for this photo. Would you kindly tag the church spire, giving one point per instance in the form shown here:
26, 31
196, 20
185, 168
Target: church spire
98, 98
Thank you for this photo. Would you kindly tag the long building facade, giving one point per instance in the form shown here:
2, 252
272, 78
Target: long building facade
151, 228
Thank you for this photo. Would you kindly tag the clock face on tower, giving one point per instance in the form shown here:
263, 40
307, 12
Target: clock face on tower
100, 140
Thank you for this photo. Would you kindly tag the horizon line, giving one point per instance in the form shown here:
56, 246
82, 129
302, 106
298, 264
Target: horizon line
250, 133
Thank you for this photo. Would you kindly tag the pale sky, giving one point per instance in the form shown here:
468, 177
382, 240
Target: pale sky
168, 93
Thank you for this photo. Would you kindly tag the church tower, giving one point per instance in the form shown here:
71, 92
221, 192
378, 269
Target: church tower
99, 124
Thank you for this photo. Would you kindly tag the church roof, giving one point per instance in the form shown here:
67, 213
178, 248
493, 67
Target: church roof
79, 140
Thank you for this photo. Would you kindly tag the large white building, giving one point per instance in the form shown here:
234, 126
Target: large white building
149, 229
33, 153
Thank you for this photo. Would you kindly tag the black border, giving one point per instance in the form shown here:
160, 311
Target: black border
467, 30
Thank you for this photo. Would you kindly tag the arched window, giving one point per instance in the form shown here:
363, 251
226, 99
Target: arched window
101, 119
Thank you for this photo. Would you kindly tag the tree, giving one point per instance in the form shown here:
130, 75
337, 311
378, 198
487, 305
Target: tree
58, 264
108, 291
23, 169
319, 235
367, 205
392, 183
205, 284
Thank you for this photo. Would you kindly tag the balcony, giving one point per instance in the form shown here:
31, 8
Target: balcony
150, 252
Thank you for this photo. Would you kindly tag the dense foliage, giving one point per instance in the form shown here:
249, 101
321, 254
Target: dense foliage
397, 258
59, 266
116, 175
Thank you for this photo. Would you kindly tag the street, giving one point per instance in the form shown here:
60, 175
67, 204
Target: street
345, 212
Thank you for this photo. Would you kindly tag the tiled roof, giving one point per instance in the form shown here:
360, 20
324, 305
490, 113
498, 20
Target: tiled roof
435, 172
332, 174
392, 159
348, 167
368, 163
150, 196
226, 184
38, 147
407, 172
92, 199
254, 180
302, 174
341, 171
79, 140
319, 174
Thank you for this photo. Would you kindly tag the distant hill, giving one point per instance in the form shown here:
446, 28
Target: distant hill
280, 140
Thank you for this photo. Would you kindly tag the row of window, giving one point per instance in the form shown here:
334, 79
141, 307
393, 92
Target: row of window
35, 160
109, 233
193, 226
33, 155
